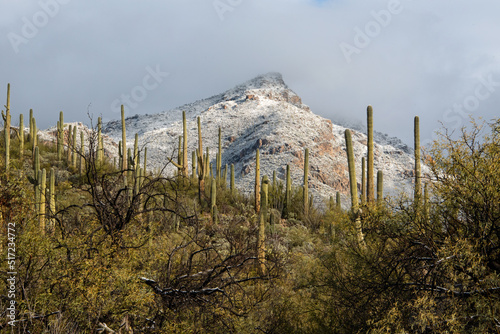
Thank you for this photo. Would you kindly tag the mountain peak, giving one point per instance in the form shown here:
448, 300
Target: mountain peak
263, 113
268, 80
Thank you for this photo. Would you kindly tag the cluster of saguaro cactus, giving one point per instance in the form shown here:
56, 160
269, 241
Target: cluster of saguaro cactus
182, 157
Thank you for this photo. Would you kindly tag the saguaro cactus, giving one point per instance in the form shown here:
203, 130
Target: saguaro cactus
426, 203
43, 199
100, 148
193, 165
219, 157
52, 197
70, 145
363, 180
306, 184
380, 188
60, 136
257, 181
338, 201
33, 134
30, 124
184, 146
224, 177
21, 136
288, 193
232, 179
124, 141
82, 154
418, 186
74, 151
353, 186
202, 165
213, 199
36, 179
261, 247
7, 130
352, 172
370, 171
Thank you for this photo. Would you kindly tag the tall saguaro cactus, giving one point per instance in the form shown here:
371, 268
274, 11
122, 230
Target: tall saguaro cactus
33, 132
193, 164
353, 186
7, 130
306, 184
21, 136
261, 247
232, 179
52, 197
124, 141
75, 153
184, 146
202, 165
82, 154
213, 199
352, 172
363, 180
426, 203
43, 199
30, 124
288, 193
370, 171
257, 181
418, 186
100, 147
60, 136
36, 179
219, 157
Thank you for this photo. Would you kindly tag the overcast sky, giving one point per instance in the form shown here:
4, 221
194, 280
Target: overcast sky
435, 59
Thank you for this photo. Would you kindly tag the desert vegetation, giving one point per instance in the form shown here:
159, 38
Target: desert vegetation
106, 245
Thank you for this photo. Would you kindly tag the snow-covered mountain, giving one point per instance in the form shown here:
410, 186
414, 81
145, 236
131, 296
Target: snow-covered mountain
264, 113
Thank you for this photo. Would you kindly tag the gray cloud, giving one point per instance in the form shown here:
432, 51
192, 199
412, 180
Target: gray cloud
422, 60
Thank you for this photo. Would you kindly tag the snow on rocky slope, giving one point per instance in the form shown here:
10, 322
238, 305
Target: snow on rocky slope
264, 113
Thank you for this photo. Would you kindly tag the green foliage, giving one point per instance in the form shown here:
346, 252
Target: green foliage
138, 251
